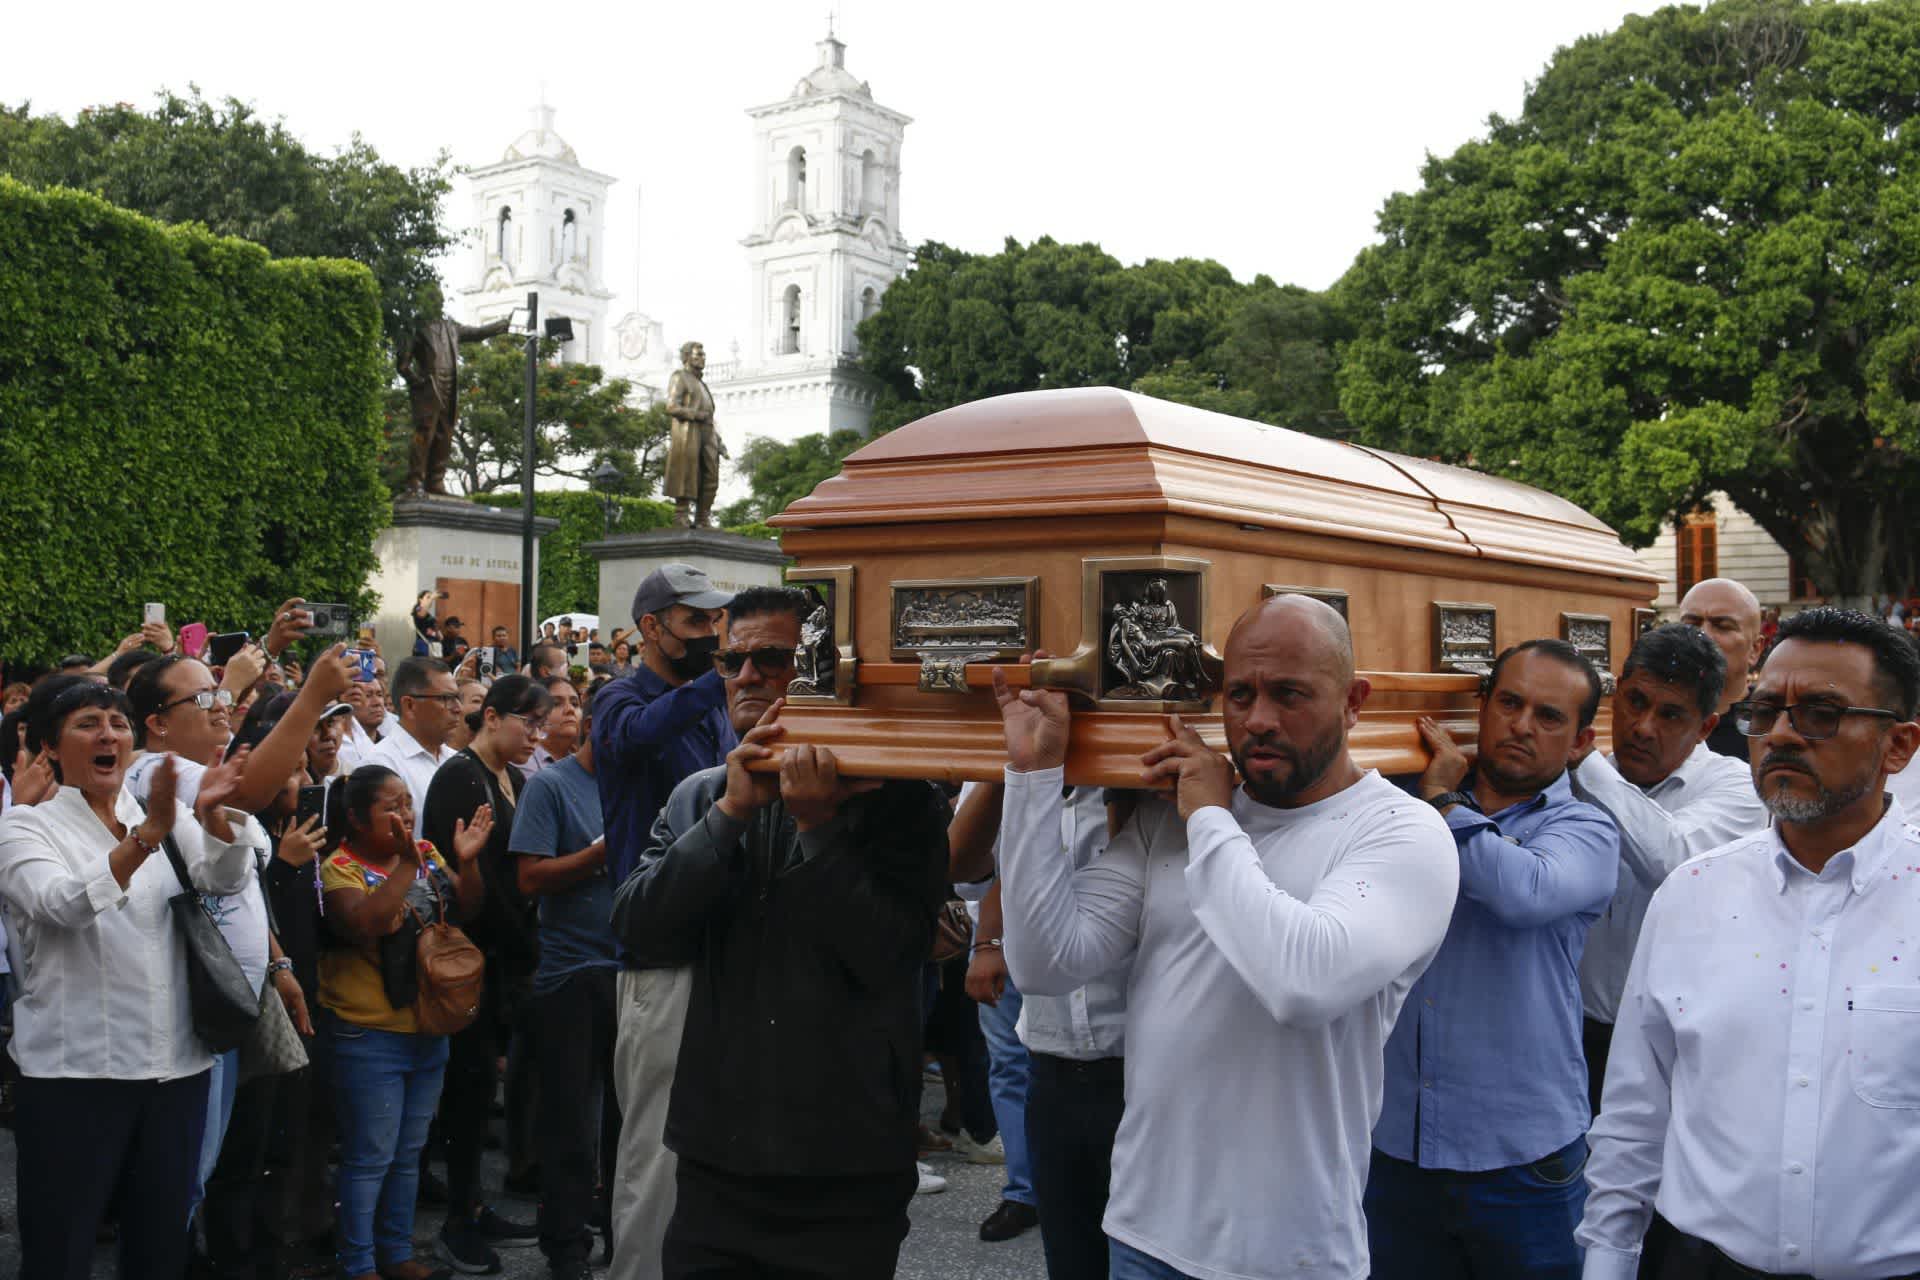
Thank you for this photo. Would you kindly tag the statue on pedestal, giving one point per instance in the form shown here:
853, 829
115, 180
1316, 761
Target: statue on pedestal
430, 364
695, 450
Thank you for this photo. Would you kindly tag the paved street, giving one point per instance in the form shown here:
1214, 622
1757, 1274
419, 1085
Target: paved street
944, 1243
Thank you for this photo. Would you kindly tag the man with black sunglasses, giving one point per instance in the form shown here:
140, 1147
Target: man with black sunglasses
1761, 1092
805, 903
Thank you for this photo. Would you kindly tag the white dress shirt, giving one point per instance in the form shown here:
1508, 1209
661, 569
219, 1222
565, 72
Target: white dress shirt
101, 971
416, 766
1705, 803
1763, 1088
1905, 785
355, 746
1271, 950
1089, 1022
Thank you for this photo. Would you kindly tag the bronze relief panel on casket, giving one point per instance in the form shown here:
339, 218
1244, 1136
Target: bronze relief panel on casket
1591, 635
1145, 641
825, 661
1463, 637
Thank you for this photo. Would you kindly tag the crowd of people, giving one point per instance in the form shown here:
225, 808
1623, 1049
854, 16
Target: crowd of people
1541, 1011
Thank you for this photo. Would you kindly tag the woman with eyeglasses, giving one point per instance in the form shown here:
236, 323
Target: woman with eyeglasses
484, 774
181, 715
115, 1083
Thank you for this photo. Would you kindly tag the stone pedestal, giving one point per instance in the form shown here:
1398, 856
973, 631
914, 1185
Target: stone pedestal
446, 544
733, 562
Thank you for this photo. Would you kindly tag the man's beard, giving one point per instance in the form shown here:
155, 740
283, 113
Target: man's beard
1308, 767
1823, 803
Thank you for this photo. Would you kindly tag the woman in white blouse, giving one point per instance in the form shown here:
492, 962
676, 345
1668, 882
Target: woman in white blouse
114, 1087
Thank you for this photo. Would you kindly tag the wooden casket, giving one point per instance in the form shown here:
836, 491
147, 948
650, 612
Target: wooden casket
1124, 535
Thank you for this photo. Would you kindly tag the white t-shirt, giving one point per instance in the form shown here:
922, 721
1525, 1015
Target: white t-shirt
242, 917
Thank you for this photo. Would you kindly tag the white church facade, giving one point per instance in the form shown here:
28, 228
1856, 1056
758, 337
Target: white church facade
823, 244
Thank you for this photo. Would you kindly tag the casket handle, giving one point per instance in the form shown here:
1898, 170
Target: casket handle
1075, 674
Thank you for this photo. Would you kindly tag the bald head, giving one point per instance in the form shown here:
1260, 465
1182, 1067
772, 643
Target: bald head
1312, 628
1289, 699
1730, 615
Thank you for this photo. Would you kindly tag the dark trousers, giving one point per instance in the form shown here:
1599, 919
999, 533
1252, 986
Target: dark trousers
239, 1215
79, 1142
573, 1027
466, 1110
1501, 1224
728, 1227
522, 1086
1073, 1111
1596, 1038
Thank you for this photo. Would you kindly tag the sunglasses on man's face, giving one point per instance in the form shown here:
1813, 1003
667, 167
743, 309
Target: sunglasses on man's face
770, 661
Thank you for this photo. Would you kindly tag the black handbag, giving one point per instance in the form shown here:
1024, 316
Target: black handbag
224, 1007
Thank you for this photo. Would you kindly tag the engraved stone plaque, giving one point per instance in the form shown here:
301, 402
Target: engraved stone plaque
987, 619
1463, 637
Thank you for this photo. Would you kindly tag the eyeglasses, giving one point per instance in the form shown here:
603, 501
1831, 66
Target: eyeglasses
205, 699
1811, 720
770, 661
444, 699
536, 727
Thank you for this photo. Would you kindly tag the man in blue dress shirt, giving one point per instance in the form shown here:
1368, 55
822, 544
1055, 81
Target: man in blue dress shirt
1481, 1141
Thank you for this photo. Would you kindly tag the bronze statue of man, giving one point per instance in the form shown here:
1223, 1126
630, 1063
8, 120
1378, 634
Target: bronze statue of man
430, 364
695, 450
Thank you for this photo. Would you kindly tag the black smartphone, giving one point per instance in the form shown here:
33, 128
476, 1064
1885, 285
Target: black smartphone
221, 648
313, 804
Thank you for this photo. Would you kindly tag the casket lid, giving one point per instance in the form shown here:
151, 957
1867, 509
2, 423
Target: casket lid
1098, 450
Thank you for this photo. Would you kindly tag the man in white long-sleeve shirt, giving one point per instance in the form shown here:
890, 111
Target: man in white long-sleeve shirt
1762, 1090
1273, 931
1671, 796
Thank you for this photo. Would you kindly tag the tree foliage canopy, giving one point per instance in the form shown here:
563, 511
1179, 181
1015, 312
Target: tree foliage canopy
220, 164
1689, 265
182, 419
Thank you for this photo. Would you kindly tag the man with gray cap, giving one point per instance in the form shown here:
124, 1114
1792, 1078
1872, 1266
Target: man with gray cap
651, 728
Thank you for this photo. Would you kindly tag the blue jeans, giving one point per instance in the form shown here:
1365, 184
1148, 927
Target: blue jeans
1128, 1263
385, 1087
1008, 1073
221, 1086
1439, 1224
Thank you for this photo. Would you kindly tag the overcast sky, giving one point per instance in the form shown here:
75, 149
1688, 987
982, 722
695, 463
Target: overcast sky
1260, 133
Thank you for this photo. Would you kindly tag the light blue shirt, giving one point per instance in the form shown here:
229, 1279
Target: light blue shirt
1484, 1067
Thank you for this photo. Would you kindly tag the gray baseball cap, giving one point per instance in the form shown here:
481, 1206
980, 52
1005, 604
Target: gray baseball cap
673, 584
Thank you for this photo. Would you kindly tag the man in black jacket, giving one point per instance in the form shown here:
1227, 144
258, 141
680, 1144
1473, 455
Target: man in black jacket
805, 903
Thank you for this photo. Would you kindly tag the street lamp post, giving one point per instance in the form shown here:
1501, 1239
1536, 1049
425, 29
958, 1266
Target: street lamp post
604, 479
527, 459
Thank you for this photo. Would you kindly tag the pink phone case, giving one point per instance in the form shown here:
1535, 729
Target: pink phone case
193, 639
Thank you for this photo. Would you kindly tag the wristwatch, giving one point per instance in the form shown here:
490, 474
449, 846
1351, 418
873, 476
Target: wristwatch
1447, 799
282, 965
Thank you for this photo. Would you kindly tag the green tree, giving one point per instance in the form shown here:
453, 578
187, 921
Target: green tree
220, 164
1689, 265
582, 419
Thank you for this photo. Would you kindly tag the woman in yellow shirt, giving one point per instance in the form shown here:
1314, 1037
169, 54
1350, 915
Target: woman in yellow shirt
386, 1075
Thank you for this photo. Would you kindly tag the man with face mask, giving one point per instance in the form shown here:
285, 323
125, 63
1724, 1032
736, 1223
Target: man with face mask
1761, 1093
652, 728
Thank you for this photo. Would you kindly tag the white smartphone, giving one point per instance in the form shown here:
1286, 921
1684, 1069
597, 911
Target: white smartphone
155, 613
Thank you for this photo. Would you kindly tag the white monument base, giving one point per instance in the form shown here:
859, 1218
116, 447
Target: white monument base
733, 562
447, 544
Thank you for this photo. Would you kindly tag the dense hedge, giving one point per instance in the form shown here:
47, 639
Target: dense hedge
182, 419
570, 576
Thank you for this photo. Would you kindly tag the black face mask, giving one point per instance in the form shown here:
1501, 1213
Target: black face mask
698, 658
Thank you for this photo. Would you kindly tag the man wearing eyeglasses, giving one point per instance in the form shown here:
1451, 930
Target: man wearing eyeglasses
1762, 1091
805, 903
428, 703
